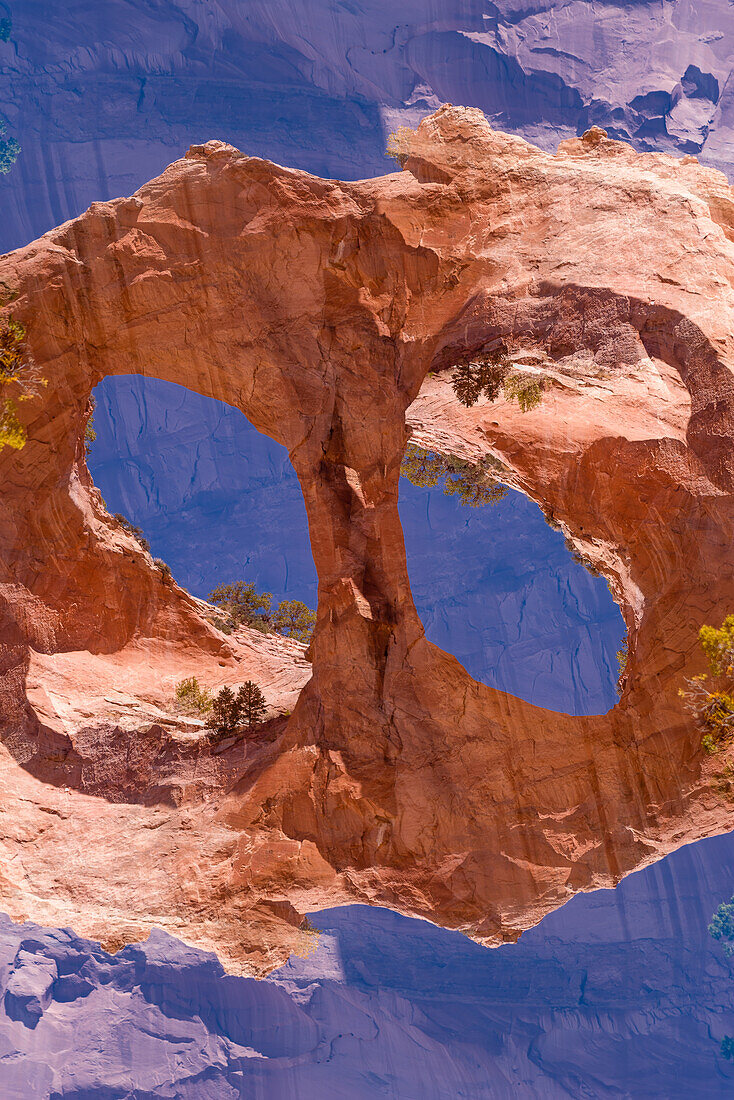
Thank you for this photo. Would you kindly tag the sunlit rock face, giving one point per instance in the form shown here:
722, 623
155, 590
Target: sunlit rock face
102, 97
621, 992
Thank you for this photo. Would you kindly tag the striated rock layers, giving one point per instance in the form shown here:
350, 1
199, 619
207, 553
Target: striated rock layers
318, 308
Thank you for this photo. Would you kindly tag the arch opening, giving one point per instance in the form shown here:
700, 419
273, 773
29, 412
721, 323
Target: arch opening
208, 501
500, 589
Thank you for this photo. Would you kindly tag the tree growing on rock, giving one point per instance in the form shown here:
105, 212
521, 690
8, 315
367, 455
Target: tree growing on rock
475, 483
490, 373
294, 619
242, 603
226, 711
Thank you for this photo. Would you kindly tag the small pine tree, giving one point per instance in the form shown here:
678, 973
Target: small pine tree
225, 711
251, 703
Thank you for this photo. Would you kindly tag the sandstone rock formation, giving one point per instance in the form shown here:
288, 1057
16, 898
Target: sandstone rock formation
319, 308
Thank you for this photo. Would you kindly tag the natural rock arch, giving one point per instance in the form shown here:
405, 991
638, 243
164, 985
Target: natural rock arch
318, 308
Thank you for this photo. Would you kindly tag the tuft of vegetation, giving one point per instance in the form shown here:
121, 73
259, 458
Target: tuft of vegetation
136, 532
398, 145
526, 389
490, 373
242, 603
164, 568
294, 619
710, 696
580, 558
722, 930
229, 710
6, 26
12, 349
90, 434
622, 655
475, 484
192, 698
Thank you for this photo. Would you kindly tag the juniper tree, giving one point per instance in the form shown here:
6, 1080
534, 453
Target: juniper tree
294, 619
242, 603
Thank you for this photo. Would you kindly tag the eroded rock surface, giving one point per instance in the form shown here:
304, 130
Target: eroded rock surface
318, 308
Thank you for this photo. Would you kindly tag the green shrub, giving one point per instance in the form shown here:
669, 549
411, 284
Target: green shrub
5, 28
710, 695
727, 1047
192, 698
722, 926
526, 389
718, 647
398, 145
294, 619
475, 484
